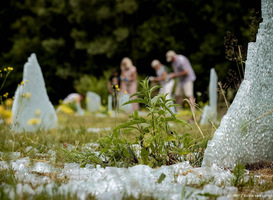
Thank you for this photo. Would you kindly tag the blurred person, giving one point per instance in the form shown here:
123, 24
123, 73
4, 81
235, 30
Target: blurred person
128, 79
75, 98
114, 81
185, 74
113, 86
163, 78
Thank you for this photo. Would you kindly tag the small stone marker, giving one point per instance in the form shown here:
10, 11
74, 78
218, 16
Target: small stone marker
32, 109
123, 98
210, 112
110, 100
93, 102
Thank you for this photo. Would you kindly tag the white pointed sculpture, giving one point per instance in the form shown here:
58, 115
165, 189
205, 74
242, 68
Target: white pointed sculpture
210, 112
245, 134
32, 109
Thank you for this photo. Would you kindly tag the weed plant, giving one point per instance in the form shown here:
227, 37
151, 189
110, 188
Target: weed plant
155, 143
239, 171
4, 73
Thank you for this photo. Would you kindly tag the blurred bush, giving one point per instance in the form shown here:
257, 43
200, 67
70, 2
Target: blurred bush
94, 84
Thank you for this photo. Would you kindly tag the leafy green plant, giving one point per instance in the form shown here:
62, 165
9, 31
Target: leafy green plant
154, 142
80, 157
155, 137
238, 180
117, 151
158, 144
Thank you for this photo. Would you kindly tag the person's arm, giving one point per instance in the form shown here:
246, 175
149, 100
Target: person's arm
183, 66
133, 76
161, 78
179, 74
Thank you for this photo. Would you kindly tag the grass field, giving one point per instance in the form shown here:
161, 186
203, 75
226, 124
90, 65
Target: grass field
70, 142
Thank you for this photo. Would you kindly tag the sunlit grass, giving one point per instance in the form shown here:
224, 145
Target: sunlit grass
74, 131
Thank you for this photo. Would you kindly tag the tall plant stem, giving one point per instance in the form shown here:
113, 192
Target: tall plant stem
267, 113
4, 81
241, 78
223, 93
153, 117
241, 59
194, 118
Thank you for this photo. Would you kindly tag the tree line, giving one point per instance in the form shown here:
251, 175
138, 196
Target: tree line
72, 38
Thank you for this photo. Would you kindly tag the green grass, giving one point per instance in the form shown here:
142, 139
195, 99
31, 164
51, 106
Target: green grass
73, 131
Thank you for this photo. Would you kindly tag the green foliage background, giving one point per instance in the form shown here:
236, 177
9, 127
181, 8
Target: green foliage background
73, 38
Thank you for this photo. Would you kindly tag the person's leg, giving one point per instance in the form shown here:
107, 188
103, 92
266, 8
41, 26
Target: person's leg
178, 96
188, 89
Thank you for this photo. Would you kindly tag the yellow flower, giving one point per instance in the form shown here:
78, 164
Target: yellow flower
28, 95
33, 121
125, 92
116, 86
22, 83
65, 109
6, 95
9, 102
6, 114
5, 69
37, 112
10, 68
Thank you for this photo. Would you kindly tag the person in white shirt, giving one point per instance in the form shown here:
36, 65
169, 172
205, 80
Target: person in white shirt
162, 77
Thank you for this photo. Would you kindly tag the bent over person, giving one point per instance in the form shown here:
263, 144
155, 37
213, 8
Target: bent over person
162, 77
184, 73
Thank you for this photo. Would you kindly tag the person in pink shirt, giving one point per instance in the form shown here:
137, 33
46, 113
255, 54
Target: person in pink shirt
184, 73
128, 79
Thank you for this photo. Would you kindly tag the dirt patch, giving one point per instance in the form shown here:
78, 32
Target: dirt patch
260, 165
